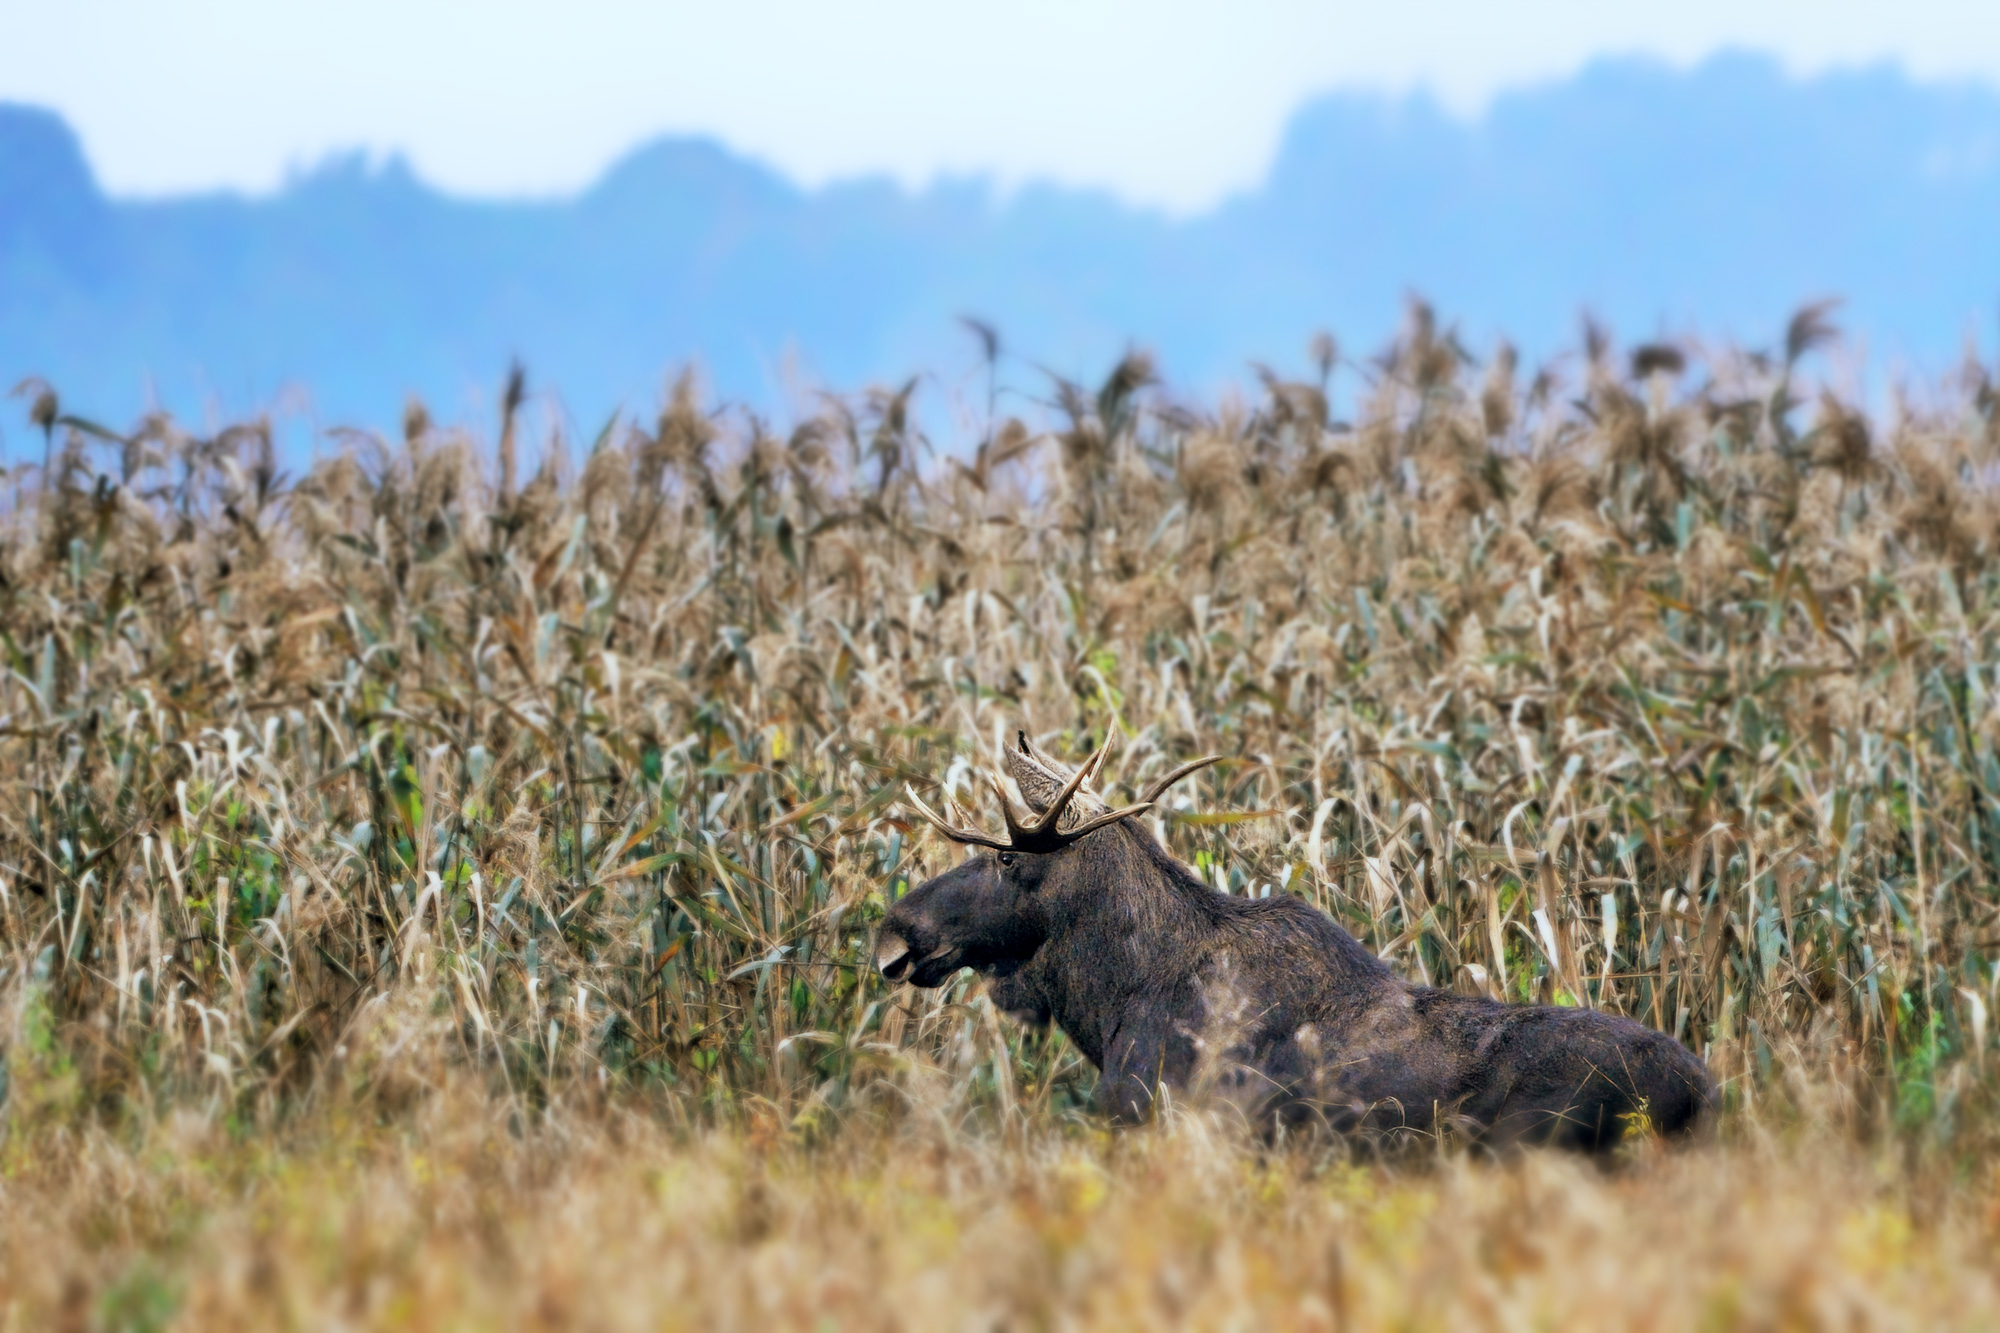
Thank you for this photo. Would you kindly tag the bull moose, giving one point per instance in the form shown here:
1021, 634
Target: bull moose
1081, 917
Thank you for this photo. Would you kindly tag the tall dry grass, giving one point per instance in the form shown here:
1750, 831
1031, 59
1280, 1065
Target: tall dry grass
408, 782
453, 1222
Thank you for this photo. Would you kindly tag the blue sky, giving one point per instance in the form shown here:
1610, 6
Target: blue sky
1166, 103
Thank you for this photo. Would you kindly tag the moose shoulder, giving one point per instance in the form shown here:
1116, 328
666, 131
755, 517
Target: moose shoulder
1083, 919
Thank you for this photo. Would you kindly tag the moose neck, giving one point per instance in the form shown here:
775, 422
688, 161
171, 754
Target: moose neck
1132, 921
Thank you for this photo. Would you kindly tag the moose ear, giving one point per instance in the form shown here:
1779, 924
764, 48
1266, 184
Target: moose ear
1042, 780
1039, 781
1061, 772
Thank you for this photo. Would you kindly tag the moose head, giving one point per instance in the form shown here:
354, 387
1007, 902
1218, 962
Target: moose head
994, 912
1081, 917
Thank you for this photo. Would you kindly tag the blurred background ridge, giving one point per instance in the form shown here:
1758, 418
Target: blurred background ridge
1701, 202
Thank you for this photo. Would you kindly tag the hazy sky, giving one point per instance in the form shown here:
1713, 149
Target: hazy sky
1166, 102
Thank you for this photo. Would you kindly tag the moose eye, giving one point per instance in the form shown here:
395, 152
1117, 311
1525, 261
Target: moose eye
1005, 858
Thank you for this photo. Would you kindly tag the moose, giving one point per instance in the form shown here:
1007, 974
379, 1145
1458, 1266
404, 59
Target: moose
1175, 990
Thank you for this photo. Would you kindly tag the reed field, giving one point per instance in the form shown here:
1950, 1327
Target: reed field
438, 884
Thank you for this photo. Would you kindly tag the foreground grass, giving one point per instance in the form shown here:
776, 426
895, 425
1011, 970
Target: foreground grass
452, 1221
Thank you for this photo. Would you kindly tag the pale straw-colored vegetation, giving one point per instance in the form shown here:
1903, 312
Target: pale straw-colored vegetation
437, 888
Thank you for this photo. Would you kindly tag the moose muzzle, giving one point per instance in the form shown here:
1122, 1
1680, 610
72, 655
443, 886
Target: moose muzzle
893, 955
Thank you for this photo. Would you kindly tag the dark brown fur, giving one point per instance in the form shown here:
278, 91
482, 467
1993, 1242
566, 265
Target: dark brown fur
1166, 984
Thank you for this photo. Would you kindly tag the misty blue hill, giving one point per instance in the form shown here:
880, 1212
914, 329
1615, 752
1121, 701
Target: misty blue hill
1711, 201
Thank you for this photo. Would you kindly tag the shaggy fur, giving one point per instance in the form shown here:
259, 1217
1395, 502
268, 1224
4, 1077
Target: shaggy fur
1164, 983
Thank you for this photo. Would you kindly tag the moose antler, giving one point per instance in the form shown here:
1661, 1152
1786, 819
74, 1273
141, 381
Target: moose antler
1044, 834
1159, 788
971, 837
